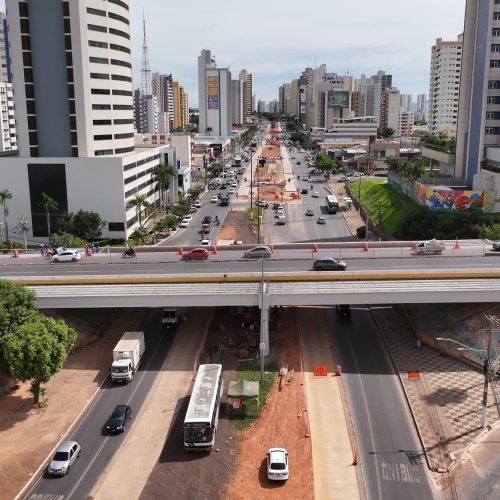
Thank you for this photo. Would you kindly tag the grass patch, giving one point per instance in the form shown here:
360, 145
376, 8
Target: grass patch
250, 370
386, 207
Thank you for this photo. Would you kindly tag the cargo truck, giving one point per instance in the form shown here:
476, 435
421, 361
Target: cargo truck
435, 247
127, 356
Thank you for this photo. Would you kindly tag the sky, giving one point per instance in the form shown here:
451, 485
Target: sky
276, 39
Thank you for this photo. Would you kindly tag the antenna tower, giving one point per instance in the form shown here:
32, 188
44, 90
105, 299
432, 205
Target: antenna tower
145, 69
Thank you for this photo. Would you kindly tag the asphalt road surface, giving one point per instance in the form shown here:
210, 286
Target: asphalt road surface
390, 454
97, 447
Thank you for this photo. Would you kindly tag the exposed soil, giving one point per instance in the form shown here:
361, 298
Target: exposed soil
237, 227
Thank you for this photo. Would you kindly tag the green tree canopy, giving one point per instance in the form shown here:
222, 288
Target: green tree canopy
36, 350
87, 225
325, 163
214, 169
17, 307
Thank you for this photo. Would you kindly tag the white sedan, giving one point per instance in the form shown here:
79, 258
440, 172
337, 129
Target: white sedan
67, 256
214, 199
277, 464
185, 223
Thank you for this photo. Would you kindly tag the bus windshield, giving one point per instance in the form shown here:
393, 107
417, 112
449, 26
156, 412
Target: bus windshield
198, 434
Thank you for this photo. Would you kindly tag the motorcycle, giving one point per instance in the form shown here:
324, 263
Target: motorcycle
129, 252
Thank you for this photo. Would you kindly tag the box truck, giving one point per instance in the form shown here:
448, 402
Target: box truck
127, 356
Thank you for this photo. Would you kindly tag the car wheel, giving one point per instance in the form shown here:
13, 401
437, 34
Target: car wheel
267, 255
319, 268
69, 468
79, 453
56, 260
206, 257
74, 259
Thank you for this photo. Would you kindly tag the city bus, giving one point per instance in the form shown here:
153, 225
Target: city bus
202, 416
332, 205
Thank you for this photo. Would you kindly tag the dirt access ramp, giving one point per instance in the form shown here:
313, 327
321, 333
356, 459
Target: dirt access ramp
237, 227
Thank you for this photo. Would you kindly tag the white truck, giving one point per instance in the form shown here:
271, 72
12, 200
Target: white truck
427, 247
170, 317
127, 356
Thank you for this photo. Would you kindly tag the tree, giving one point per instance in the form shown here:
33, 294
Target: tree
5, 195
87, 225
325, 163
37, 350
162, 174
194, 191
17, 306
65, 222
139, 202
48, 205
140, 235
214, 169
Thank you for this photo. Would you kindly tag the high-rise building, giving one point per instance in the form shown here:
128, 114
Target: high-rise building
371, 90
236, 91
406, 102
389, 110
478, 127
8, 136
181, 106
205, 60
261, 106
72, 77
146, 113
421, 113
446, 60
246, 96
5, 75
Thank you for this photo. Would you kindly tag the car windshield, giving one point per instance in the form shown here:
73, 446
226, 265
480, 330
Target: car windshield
61, 456
118, 413
197, 435
119, 369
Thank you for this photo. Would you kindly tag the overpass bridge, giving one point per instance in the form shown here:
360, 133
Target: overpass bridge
266, 290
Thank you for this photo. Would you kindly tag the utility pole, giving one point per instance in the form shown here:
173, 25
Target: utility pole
24, 226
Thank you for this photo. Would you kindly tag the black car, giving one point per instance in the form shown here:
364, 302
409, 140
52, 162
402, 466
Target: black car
276, 206
118, 419
496, 246
304, 191
329, 264
207, 219
343, 310
223, 186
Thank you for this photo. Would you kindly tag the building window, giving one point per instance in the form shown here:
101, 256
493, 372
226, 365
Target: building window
495, 47
116, 17
121, 48
95, 27
489, 131
490, 116
30, 107
120, 3
117, 62
72, 122
496, 16
99, 76
116, 226
95, 43
67, 26
31, 122
34, 152
100, 91
118, 107
28, 75
69, 59
23, 9
122, 92
124, 136
25, 42
103, 152
66, 9
121, 78
96, 12
495, 32
119, 33
74, 152
71, 91
104, 137
123, 122
25, 26
33, 137
74, 139
69, 75
67, 42
27, 59
124, 150
493, 84
72, 107
99, 60
98, 107
29, 90
102, 122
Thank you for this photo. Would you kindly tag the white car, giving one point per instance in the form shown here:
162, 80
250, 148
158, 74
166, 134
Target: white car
197, 204
315, 194
188, 217
231, 190
206, 242
184, 223
214, 199
64, 458
321, 220
67, 256
277, 464
234, 184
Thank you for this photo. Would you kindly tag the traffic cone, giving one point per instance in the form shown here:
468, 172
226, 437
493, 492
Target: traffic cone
315, 248
457, 244
180, 251
365, 247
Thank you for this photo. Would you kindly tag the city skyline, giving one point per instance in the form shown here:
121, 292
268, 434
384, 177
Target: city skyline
378, 38
399, 45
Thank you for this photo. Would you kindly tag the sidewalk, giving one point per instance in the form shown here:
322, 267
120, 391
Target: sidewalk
445, 400
334, 475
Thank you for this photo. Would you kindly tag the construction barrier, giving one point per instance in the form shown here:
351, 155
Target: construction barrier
180, 251
457, 244
15, 253
365, 247
315, 247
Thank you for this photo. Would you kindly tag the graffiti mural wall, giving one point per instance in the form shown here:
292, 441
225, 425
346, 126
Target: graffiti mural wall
441, 198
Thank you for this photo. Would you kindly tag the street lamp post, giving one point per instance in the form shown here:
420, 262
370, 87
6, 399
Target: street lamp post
262, 345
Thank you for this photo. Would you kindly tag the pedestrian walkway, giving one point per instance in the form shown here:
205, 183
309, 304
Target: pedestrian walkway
334, 472
352, 217
127, 474
445, 395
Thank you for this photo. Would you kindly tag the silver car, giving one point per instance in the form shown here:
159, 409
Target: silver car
258, 252
64, 458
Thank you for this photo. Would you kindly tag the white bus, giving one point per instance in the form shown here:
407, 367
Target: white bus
202, 416
332, 205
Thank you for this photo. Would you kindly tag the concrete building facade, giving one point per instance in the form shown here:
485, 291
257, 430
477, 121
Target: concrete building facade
444, 88
8, 134
246, 93
5, 73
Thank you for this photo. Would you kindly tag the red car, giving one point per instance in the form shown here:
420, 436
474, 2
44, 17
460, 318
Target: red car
196, 254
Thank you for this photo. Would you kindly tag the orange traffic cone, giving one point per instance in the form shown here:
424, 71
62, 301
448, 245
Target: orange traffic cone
181, 251
365, 247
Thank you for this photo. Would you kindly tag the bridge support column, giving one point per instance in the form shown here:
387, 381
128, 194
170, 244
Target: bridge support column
264, 318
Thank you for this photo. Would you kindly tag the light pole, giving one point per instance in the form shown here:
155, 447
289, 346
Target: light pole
1, 237
262, 345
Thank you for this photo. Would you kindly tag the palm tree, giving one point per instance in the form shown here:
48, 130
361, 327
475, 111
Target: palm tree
48, 205
162, 174
4, 196
139, 202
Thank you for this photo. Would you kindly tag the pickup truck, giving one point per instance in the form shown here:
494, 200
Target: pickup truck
429, 247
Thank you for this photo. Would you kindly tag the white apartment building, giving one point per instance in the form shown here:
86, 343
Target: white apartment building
74, 107
446, 60
389, 110
8, 136
246, 93
406, 121
421, 113
406, 102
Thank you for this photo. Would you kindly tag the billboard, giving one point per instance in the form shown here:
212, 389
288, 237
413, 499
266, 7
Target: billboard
449, 199
213, 92
338, 99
